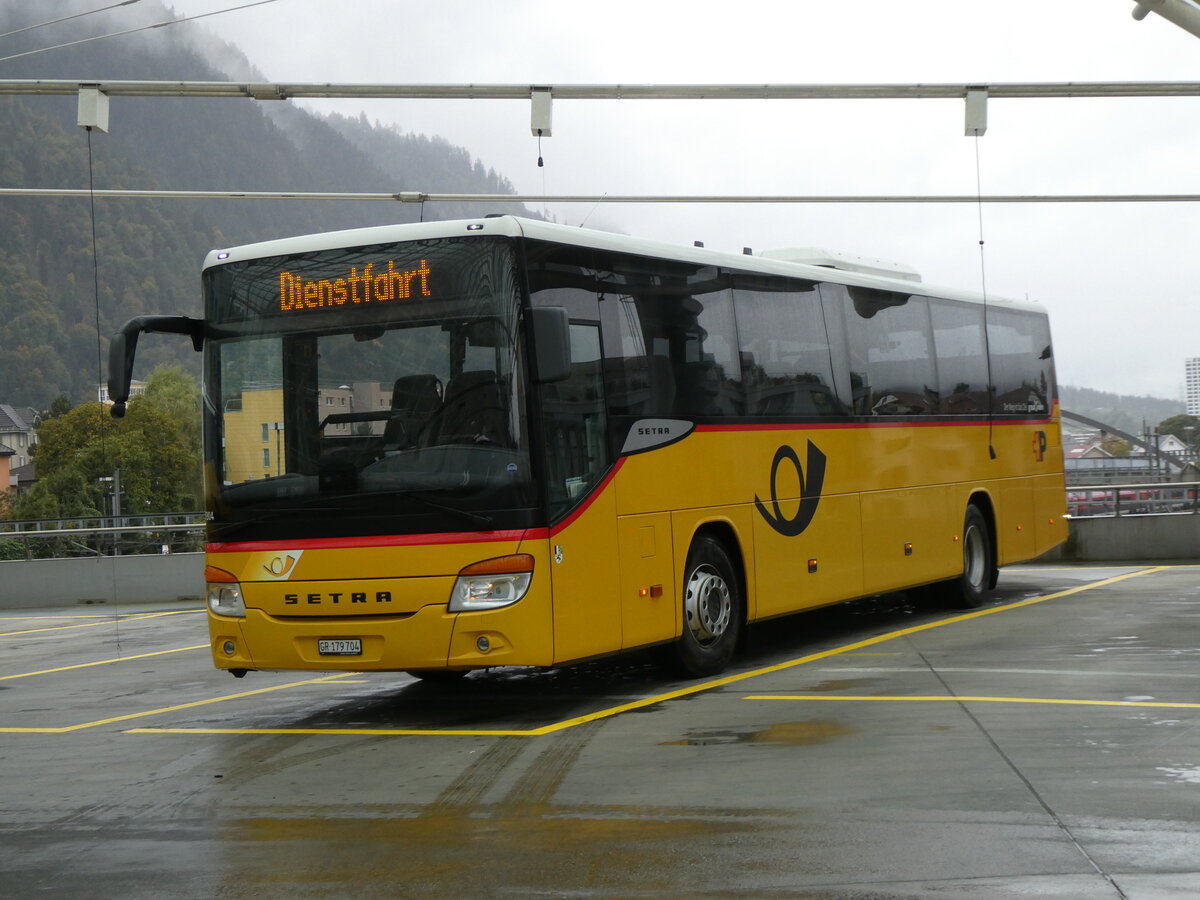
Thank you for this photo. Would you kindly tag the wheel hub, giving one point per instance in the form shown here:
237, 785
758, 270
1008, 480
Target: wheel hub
974, 564
708, 605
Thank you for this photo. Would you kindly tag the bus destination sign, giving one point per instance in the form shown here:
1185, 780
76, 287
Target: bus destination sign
371, 284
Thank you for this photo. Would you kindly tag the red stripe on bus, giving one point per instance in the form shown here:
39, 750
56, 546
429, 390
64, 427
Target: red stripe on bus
381, 540
831, 426
591, 497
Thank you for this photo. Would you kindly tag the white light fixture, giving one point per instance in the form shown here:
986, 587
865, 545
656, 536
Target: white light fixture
93, 109
541, 113
976, 119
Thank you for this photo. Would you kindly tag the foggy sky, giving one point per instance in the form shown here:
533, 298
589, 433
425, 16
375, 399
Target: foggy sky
1120, 280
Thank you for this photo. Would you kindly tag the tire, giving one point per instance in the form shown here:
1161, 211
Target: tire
969, 589
713, 610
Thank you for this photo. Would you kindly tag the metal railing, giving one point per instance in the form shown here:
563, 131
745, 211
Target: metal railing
102, 536
1162, 498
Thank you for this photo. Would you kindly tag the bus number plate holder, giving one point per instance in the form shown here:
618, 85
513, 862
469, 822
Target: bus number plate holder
339, 647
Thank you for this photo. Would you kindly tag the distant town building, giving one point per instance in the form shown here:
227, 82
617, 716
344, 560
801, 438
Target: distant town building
1192, 381
136, 389
255, 438
17, 432
7, 482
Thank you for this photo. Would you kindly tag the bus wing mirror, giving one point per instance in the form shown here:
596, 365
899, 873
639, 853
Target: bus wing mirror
551, 344
123, 347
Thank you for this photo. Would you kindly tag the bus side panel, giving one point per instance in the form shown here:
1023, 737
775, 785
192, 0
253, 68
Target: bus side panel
832, 544
1025, 451
586, 580
908, 538
1015, 528
1049, 509
650, 609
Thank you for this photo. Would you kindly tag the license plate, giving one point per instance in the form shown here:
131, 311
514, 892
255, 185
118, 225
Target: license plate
340, 647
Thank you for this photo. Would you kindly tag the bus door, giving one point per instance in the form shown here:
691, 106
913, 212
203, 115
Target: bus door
584, 569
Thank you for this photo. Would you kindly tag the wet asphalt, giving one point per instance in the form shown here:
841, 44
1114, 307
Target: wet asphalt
1046, 745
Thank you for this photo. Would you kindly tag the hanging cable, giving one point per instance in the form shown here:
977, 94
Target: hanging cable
99, 37
100, 374
987, 348
90, 12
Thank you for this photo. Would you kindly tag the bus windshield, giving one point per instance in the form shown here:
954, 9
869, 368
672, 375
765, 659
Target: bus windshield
370, 390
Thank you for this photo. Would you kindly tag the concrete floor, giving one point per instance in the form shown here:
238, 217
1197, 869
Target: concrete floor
1044, 746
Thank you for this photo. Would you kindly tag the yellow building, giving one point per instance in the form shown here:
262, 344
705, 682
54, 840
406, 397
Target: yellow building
254, 432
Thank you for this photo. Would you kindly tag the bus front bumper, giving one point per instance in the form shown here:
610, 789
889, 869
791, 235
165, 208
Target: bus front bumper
430, 638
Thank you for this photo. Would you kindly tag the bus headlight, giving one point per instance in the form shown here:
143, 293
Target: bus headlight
492, 583
224, 593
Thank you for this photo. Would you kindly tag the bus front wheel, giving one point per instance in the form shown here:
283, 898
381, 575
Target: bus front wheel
712, 610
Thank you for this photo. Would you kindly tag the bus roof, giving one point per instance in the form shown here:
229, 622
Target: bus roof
514, 226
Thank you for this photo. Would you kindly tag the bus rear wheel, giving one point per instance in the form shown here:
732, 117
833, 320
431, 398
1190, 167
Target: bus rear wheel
712, 610
969, 589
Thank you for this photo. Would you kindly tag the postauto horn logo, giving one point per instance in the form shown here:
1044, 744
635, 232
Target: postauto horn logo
810, 491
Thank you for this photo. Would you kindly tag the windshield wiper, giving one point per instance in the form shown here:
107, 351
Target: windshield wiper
478, 518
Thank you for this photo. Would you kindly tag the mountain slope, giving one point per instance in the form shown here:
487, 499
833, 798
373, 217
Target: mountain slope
150, 251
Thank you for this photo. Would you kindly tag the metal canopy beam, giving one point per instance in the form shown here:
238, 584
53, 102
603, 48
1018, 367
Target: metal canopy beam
283, 90
422, 197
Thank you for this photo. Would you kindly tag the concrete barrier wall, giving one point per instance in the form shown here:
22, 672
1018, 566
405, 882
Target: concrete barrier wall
180, 576
1132, 539
102, 580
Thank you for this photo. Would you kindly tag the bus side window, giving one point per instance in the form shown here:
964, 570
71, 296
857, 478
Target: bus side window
784, 349
891, 353
708, 374
575, 433
575, 430
1022, 363
961, 355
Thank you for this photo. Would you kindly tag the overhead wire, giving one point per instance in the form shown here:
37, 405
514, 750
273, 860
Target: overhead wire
164, 24
90, 12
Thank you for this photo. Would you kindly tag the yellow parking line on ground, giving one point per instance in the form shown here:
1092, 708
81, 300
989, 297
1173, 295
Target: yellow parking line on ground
103, 662
356, 732
953, 699
103, 620
676, 694
169, 709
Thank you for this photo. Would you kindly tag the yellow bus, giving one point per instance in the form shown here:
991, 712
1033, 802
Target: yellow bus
446, 446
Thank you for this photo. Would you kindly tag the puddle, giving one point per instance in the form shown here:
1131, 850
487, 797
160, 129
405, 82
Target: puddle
1190, 775
791, 734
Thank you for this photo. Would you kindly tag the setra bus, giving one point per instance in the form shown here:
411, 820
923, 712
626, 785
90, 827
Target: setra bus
446, 446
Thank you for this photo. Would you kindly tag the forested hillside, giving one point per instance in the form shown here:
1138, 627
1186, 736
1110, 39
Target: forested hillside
150, 251
1130, 414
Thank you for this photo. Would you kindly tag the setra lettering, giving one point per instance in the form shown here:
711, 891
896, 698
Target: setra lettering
336, 597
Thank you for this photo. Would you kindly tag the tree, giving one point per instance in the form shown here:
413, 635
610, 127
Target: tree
59, 406
1183, 426
1114, 446
156, 447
